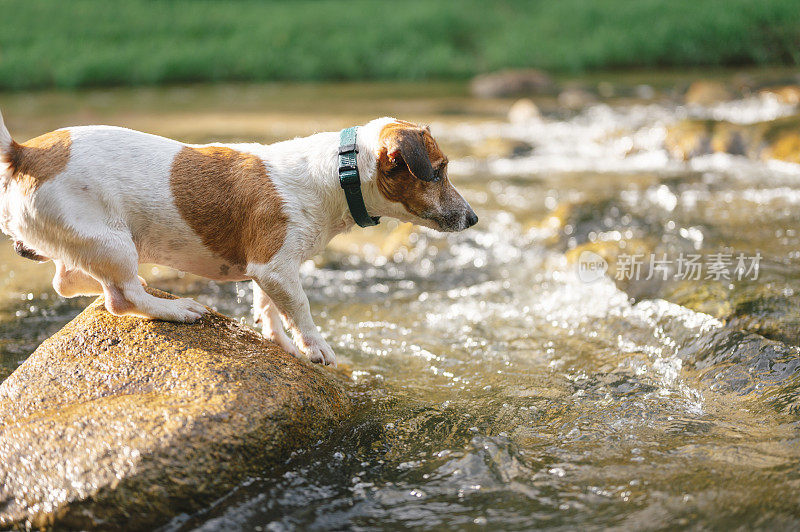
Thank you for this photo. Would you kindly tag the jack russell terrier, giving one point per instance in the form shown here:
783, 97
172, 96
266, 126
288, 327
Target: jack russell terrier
100, 200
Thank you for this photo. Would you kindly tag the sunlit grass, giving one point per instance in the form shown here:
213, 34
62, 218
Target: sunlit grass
93, 42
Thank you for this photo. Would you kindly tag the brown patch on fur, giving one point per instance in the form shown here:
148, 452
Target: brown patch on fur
34, 162
228, 199
394, 177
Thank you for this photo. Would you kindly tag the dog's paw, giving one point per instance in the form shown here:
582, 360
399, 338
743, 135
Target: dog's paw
187, 310
318, 351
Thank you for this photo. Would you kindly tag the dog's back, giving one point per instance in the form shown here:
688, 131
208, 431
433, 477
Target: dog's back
182, 205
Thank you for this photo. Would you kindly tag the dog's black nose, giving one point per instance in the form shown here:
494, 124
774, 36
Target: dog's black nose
472, 219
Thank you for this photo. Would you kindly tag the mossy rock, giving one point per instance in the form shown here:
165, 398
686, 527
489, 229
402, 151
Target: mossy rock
691, 138
706, 296
773, 139
782, 138
124, 422
764, 309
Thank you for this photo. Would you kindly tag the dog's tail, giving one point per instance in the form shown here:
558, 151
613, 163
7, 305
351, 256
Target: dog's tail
6, 144
5, 141
5, 136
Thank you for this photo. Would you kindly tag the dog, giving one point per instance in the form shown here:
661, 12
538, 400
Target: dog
100, 200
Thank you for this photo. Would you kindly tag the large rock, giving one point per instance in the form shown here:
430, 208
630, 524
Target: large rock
123, 422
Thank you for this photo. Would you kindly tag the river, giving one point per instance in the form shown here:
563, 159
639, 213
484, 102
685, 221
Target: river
502, 383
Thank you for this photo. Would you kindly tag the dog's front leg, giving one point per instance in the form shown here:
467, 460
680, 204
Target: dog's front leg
266, 313
286, 291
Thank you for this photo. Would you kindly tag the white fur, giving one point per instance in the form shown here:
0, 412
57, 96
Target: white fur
112, 208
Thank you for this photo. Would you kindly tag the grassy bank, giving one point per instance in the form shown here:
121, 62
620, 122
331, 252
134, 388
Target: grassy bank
93, 42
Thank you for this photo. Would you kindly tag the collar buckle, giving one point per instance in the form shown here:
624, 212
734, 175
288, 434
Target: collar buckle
348, 148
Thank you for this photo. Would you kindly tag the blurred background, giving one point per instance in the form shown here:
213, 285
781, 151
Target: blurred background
500, 387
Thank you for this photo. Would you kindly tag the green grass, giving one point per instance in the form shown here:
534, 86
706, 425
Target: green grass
77, 43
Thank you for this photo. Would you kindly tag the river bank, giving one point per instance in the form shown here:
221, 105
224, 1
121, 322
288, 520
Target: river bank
88, 43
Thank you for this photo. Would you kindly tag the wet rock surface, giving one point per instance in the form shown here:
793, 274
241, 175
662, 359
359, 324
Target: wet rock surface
123, 422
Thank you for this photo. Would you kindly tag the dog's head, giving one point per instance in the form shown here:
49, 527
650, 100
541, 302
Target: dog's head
412, 172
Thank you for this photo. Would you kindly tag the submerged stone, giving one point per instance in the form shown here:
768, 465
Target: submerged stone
121, 422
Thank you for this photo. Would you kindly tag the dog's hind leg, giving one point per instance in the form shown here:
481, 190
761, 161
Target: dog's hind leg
70, 282
113, 261
266, 313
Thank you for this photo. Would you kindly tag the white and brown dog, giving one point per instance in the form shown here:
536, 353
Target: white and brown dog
100, 200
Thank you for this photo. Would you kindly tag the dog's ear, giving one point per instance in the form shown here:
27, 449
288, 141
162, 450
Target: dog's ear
409, 145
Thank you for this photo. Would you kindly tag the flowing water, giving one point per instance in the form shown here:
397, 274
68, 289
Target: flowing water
499, 385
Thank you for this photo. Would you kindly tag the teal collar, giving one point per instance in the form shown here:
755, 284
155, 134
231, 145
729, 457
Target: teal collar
349, 179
